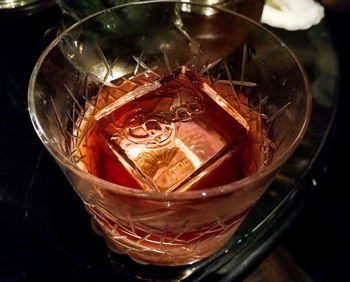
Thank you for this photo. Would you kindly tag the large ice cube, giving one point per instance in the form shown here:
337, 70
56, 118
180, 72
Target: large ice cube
171, 132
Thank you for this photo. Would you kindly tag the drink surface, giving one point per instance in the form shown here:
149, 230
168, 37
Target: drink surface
170, 134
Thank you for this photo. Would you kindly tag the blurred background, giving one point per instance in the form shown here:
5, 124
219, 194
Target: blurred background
39, 237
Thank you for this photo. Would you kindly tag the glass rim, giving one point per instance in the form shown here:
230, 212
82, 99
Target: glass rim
156, 195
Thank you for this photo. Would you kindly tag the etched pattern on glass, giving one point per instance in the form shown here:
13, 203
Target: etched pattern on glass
132, 233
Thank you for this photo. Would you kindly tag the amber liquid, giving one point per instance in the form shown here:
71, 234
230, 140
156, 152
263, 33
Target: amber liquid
242, 157
229, 143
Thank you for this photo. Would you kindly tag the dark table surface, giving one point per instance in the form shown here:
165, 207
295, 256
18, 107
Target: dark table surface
319, 237
45, 233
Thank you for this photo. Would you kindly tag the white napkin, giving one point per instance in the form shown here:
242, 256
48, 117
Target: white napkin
292, 14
